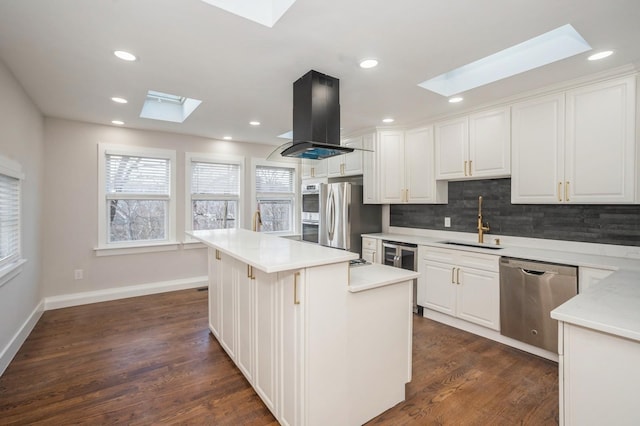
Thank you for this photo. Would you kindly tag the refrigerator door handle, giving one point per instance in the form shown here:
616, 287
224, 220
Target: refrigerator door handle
331, 215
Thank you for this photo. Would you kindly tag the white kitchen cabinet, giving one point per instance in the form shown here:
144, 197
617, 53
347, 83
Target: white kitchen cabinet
371, 250
347, 164
576, 147
474, 146
405, 168
599, 378
265, 349
245, 310
370, 166
314, 168
228, 304
589, 277
461, 284
215, 291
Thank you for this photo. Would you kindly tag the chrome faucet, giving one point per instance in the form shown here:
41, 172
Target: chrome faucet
257, 220
481, 227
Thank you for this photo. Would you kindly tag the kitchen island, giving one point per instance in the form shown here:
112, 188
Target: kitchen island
320, 342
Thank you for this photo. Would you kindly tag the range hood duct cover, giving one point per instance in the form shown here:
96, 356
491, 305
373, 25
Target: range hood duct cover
316, 118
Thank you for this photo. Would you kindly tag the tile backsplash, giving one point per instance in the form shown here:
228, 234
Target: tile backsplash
593, 223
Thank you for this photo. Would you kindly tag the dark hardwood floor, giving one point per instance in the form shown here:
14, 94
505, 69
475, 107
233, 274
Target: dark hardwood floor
152, 360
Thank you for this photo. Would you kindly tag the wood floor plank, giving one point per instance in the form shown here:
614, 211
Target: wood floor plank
151, 360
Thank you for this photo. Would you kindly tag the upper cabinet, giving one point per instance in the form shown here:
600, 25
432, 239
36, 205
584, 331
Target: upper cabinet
576, 147
477, 146
401, 168
347, 164
314, 169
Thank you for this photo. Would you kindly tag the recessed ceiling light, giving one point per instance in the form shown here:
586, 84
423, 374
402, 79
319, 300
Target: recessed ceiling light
600, 55
455, 99
388, 120
125, 56
117, 122
369, 63
227, 138
119, 100
254, 123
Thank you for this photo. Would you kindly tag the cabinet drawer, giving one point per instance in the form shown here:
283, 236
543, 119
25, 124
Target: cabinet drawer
485, 262
369, 243
437, 254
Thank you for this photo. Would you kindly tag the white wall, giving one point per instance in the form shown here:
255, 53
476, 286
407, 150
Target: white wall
70, 222
21, 139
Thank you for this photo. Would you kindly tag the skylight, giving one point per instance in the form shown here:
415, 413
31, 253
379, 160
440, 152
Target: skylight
555, 45
167, 107
265, 12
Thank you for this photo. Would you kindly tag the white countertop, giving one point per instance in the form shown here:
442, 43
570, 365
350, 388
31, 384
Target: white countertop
370, 276
270, 253
612, 306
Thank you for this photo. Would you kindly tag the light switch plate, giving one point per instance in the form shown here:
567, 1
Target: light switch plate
447, 222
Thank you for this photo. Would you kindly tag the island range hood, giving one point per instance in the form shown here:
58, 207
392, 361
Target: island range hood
316, 118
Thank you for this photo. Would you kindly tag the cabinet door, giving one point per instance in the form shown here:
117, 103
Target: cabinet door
419, 166
391, 157
537, 156
215, 280
228, 305
369, 255
370, 175
245, 320
290, 367
314, 168
353, 161
490, 143
478, 297
452, 149
600, 145
439, 287
265, 381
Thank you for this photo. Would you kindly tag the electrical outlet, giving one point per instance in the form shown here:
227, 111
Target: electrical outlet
78, 274
447, 222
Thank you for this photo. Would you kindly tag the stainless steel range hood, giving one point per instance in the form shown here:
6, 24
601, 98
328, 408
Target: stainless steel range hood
316, 118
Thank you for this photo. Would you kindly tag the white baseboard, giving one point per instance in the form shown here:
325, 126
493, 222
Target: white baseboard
489, 334
21, 335
84, 298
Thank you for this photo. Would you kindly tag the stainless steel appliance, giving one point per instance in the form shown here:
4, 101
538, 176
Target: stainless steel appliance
529, 291
311, 212
405, 256
344, 218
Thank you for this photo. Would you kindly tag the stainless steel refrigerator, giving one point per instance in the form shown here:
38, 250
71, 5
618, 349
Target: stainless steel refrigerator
344, 218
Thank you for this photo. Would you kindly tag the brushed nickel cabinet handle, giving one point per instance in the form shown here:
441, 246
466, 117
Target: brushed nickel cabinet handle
248, 271
566, 191
218, 255
458, 276
470, 164
295, 288
453, 271
465, 168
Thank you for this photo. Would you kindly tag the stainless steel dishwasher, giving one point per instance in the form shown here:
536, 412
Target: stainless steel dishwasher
529, 291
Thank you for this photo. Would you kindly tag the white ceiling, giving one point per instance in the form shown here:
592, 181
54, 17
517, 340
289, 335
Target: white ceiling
61, 52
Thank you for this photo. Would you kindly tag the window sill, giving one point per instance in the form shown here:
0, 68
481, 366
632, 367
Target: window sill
147, 248
193, 244
11, 271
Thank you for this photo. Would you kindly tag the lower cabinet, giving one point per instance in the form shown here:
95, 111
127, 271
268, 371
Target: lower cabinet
244, 314
461, 284
370, 250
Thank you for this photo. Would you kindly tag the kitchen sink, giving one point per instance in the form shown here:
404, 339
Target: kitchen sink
476, 245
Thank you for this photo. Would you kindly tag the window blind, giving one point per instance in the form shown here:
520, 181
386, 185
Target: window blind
215, 178
137, 175
9, 218
274, 179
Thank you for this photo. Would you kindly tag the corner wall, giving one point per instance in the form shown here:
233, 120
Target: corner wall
21, 139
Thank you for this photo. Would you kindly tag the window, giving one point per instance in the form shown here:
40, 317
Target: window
214, 183
10, 238
275, 192
136, 196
